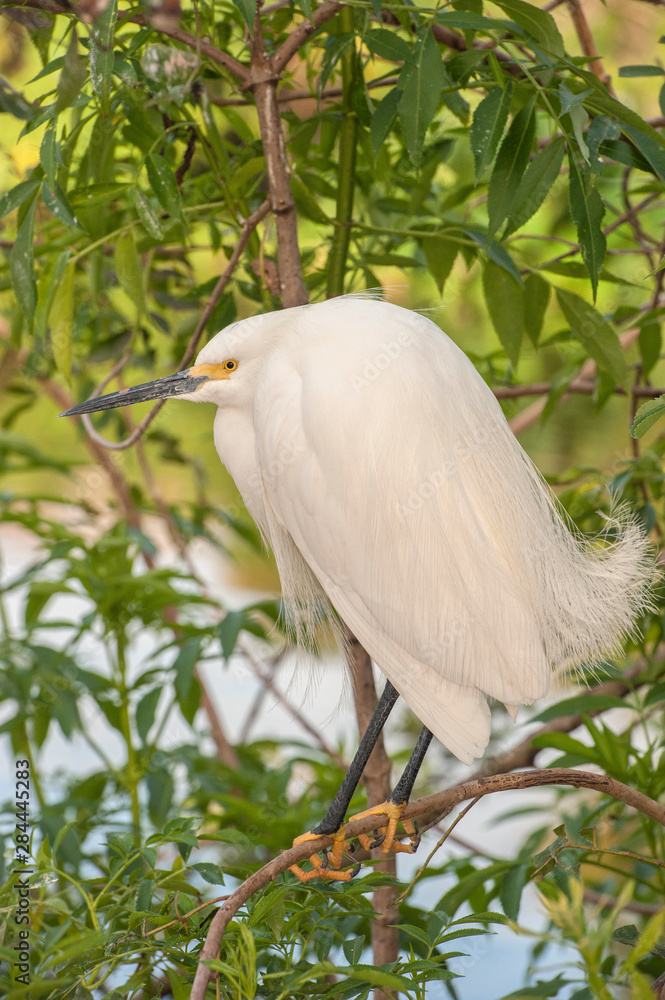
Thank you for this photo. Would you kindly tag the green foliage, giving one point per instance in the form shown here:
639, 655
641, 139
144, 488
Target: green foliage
498, 171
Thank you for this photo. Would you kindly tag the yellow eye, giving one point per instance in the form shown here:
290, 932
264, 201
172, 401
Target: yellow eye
231, 365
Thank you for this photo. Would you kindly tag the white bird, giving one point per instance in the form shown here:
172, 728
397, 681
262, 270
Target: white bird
381, 470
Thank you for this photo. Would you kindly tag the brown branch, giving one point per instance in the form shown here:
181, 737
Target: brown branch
303, 33
286, 96
579, 386
439, 802
587, 42
531, 414
265, 77
248, 228
191, 41
384, 929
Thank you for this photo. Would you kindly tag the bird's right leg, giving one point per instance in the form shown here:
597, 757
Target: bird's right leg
334, 818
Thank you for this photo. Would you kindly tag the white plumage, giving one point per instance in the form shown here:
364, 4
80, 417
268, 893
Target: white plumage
384, 475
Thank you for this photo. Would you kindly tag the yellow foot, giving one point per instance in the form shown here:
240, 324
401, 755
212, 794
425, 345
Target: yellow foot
387, 841
326, 867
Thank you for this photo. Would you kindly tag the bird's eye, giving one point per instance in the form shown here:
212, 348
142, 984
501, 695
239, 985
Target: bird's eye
231, 365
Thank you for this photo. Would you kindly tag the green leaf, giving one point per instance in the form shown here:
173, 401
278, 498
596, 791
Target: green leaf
61, 317
145, 713
641, 71
164, 186
147, 215
510, 890
22, 265
469, 21
129, 271
382, 119
388, 45
647, 415
229, 631
184, 666
49, 280
587, 210
248, 10
440, 254
600, 129
17, 195
353, 948
102, 54
537, 23
594, 333
652, 150
511, 162
489, 121
58, 204
536, 297
72, 75
212, 874
650, 342
569, 99
420, 98
580, 705
533, 188
47, 155
505, 303
160, 794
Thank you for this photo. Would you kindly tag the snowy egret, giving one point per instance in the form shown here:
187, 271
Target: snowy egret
381, 470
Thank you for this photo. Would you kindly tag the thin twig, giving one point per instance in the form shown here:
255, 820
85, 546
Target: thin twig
586, 41
436, 803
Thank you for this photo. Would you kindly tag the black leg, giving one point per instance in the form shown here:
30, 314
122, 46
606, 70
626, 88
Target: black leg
339, 805
401, 793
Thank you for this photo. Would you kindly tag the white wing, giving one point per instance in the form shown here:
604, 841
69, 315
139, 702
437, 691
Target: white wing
390, 465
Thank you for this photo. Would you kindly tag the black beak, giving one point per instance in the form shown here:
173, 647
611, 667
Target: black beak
162, 388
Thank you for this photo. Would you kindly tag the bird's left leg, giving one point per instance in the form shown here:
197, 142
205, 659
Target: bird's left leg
332, 822
394, 805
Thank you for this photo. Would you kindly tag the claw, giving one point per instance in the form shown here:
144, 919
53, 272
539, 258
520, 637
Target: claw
326, 867
386, 840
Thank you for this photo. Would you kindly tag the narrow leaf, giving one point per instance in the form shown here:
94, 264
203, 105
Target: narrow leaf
650, 342
587, 210
145, 712
382, 119
647, 415
102, 55
147, 215
16, 196
533, 188
388, 45
440, 254
61, 319
505, 302
421, 96
128, 269
511, 162
248, 10
652, 150
489, 121
72, 75
49, 279
164, 186
595, 334
22, 265
538, 23
47, 155
536, 297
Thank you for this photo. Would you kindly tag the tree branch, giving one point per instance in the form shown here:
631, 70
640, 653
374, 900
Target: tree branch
437, 803
384, 930
265, 77
303, 33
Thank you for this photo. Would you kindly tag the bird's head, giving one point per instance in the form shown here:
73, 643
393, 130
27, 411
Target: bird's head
224, 373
